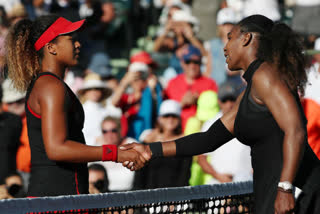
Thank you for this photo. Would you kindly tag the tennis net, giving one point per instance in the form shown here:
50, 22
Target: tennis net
220, 198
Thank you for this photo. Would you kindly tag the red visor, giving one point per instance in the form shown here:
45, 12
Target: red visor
59, 27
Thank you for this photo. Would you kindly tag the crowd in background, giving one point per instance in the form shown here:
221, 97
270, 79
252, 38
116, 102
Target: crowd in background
152, 70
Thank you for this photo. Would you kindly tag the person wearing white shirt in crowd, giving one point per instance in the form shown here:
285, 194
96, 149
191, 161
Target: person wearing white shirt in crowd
231, 162
120, 178
93, 96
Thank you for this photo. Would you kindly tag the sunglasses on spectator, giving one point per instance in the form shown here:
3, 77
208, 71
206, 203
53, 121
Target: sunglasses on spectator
169, 115
105, 131
228, 98
21, 101
188, 61
96, 89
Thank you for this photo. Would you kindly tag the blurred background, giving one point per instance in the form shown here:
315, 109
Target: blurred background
152, 70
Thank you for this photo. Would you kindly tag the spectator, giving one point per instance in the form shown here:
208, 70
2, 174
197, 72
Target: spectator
138, 106
17, 12
311, 101
14, 102
231, 162
13, 99
205, 11
268, 8
169, 8
180, 30
65, 8
15, 186
169, 172
40, 7
207, 108
186, 87
100, 64
98, 179
93, 96
145, 58
152, 79
168, 123
120, 178
8, 5
226, 19
10, 131
305, 17
90, 10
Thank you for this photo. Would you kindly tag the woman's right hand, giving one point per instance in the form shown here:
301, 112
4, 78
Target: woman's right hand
284, 203
133, 159
143, 150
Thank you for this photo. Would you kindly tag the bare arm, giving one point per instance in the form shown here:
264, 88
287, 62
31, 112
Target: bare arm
54, 128
268, 89
160, 41
209, 169
189, 34
271, 91
124, 83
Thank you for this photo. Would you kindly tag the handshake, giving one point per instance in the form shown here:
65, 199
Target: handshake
134, 156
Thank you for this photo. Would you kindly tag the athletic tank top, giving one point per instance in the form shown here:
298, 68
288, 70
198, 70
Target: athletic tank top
256, 127
51, 178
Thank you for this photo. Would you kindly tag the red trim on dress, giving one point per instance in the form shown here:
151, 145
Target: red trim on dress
49, 75
32, 112
77, 184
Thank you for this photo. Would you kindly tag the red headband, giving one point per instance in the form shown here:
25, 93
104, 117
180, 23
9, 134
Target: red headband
59, 27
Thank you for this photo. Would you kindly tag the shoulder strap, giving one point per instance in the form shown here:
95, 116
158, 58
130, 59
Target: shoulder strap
251, 69
31, 86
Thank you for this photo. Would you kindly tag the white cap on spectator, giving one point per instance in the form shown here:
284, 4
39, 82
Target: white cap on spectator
184, 16
227, 16
10, 94
138, 66
170, 107
177, 3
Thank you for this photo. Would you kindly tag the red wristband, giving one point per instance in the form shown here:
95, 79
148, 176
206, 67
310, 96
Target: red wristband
109, 153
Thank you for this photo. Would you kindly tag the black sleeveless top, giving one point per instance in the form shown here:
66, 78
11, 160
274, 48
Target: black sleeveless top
255, 126
51, 178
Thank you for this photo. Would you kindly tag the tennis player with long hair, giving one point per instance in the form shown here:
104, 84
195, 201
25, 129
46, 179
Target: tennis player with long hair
267, 116
38, 53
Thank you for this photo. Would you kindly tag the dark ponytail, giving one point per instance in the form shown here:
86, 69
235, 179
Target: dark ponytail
279, 44
21, 57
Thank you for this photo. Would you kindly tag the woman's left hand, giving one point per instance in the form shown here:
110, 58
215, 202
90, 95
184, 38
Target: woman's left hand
284, 203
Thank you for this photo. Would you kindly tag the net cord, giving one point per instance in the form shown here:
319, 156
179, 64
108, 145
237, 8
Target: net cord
129, 198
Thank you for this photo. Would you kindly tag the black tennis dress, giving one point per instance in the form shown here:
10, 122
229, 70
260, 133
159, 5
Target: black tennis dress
51, 178
256, 127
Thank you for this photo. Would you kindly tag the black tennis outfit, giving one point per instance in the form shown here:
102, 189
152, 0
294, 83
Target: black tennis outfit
51, 178
256, 127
